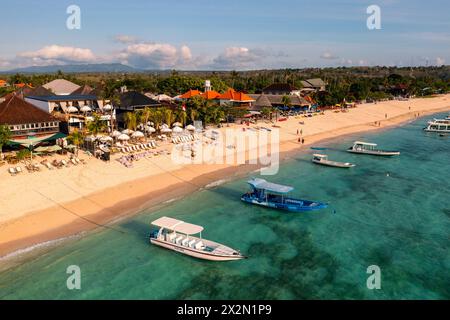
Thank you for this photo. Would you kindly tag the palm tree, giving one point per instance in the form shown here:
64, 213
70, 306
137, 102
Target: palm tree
182, 117
96, 125
286, 101
157, 117
5, 136
131, 120
168, 117
145, 115
76, 138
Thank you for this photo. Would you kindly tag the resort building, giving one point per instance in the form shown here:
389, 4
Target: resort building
313, 85
132, 101
28, 122
281, 89
276, 101
3, 83
236, 98
61, 87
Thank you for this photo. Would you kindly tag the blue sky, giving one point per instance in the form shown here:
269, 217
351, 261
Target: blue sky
227, 34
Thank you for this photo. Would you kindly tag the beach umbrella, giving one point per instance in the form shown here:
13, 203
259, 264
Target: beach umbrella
116, 133
163, 97
150, 123
123, 137
137, 134
41, 149
166, 130
190, 127
127, 131
150, 129
72, 109
177, 124
177, 130
54, 148
105, 139
85, 109
164, 126
107, 107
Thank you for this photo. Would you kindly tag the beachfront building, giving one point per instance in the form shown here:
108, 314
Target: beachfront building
313, 85
297, 103
29, 125
235, 98
281, 89
61, 87
3, 83
132, 101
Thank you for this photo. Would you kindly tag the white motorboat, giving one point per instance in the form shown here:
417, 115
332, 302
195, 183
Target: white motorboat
323, 160
439, 125
371, 149
178, 236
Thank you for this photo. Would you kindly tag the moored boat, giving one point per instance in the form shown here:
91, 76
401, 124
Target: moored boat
370, 149
273, 196
179, 236
439, 125
322, 159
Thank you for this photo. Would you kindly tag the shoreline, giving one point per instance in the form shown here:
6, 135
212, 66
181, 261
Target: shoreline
95, 211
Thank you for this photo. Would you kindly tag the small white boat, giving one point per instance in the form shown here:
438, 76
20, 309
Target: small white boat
323, 160
439, 125
371, 149
178, 236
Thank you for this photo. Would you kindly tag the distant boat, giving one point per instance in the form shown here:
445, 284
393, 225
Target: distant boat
178, 236
371, 149
323, 160
439, 125
273, 195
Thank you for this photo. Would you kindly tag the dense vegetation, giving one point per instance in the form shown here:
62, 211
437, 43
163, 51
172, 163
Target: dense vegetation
356, 83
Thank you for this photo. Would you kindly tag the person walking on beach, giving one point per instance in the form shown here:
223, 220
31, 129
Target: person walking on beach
297, 131
303, 140
385, 115
301, 131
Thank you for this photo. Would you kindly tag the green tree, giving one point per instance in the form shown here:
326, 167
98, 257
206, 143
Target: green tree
76, 138
5, 136
286, 101
96, 125
131, 120
168, 117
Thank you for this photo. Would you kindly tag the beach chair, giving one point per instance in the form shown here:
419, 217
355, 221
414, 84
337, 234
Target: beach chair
49, 165
64, 163
12, 171
19, 170
75, 163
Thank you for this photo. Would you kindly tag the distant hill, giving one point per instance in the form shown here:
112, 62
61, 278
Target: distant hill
77, 68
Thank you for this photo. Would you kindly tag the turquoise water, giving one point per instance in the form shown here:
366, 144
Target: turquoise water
390, 212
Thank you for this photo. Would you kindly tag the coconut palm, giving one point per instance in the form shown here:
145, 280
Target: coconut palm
96, 125
5, 136
156, 116
286, 101
131, 120
168, 117
76, 138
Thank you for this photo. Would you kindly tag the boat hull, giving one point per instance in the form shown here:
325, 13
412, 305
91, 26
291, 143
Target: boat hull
195, 253
375, 153
292, 205
334, 164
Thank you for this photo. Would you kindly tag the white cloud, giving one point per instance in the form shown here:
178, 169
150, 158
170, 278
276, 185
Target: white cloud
440, 61
328, 56
123, 38
238, 58
155, 55
55, 53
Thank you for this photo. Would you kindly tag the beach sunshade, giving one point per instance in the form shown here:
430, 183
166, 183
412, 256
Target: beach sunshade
107, 107
177, 130
123, 137
85, 109
164, 126
41, 149
190, 127
150, 123
70, 146
72, 109
116, 133
54, 148
150, 129
166, 130
127, 131
105, 139
177, 124
137, 134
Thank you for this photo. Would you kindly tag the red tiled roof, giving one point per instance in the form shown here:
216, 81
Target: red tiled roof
17, 111
233, 95
191, 93
210, 95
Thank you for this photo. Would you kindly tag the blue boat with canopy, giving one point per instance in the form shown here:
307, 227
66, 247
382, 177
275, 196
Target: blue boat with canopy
274, 196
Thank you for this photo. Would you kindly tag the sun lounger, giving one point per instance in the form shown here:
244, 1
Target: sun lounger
19, 169
64, 163
74, 161
12, 171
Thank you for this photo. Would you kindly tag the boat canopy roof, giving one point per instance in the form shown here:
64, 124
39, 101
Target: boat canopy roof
366, 143
177, 225
271, 187
319, 155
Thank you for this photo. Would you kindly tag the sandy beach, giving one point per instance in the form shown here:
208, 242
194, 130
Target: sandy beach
47, 205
